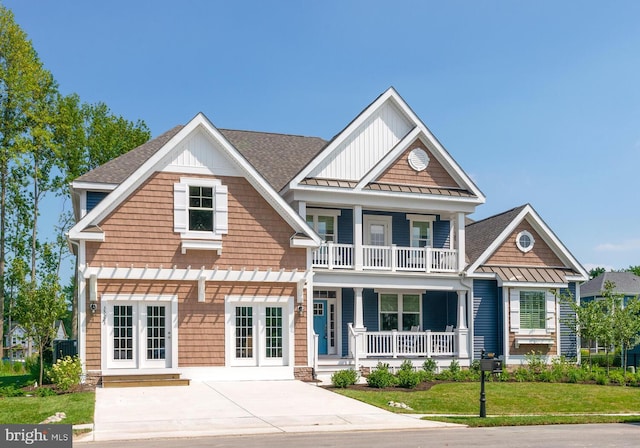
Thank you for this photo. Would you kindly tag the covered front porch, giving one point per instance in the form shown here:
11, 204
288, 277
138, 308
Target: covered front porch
359, 327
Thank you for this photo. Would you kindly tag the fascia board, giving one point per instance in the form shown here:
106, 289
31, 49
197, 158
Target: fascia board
85, 236
108, 204
338, 140
389, 158
99, 186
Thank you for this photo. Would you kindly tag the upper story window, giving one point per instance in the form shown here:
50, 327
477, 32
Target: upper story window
525, 241
421, 230
324, 222
200, 210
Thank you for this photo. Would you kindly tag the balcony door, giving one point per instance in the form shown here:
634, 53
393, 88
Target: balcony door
377, 239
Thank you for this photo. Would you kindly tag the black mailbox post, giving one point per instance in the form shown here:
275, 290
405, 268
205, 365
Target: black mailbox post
487, 364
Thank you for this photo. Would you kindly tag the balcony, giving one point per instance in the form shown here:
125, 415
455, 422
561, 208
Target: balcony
386, 258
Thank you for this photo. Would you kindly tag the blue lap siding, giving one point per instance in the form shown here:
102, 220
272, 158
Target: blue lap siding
487, 317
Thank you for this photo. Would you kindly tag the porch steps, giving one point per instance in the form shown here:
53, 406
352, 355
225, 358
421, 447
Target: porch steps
144, 380
328, 366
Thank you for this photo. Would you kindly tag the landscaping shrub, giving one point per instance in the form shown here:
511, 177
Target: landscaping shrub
535, 363
344, 378
11, 391
617, 377
408, 379
522, 374
430, 366
381, 377
406, 365
66, 372
32, 366
575, 375
44, 392
602, 379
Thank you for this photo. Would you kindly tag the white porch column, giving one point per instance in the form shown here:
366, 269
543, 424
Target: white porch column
461, 241
357, 238
358, 311
462, 332
302, 209
359, 328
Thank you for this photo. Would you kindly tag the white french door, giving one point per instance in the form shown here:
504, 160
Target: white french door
138, 334
260, 336
259, 332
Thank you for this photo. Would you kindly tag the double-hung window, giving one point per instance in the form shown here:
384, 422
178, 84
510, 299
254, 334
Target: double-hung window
324, 222
533, 313
200, 213
421, 230
200, 208
399, 311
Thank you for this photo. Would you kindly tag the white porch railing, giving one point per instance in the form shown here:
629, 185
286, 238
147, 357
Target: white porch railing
333, 255
409, 343
387, 258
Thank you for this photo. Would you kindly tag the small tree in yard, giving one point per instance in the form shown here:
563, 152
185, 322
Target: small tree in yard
607, 320
39, 304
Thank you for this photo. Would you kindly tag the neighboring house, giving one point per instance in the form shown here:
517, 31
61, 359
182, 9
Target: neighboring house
18, 346
236, 254
61, 332
626, 284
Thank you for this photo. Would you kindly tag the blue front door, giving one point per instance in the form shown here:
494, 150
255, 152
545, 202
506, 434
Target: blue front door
320, 324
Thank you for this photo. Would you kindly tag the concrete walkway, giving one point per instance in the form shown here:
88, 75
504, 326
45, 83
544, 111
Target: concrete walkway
234, 408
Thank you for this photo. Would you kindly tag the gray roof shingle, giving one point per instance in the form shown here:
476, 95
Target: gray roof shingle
481, 234
117, 170
277, 157
626, 283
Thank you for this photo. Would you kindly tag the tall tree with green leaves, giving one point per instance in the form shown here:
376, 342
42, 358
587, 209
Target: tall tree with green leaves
87, 136
21, 74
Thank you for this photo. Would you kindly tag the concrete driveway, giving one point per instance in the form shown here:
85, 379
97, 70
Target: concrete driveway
234, 408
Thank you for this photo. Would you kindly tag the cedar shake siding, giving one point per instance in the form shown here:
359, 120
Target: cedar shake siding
201, 326
140, 232
509, 255
400, 173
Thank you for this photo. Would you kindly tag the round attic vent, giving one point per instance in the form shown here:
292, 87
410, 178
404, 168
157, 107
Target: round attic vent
418, 159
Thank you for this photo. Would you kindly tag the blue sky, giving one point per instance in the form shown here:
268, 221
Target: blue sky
539, 102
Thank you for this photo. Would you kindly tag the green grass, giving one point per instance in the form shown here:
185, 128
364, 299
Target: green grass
514, 403
78, 407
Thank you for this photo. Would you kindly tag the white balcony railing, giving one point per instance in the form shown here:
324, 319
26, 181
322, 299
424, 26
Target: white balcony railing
387, 258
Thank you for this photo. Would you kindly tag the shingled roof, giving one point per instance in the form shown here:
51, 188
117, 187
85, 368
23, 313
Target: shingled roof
117, 170
481, 234
626, 283
277, 157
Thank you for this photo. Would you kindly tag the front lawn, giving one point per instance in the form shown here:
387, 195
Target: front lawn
78, 407
548, 402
